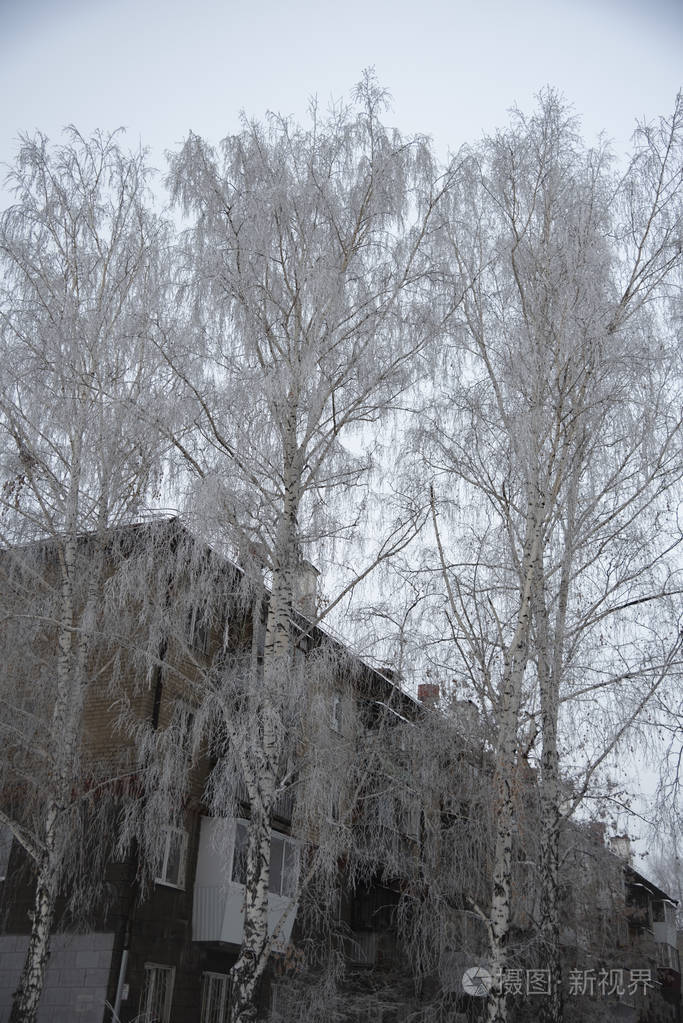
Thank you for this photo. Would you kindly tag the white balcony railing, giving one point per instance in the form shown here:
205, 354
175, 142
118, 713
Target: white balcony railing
665, 932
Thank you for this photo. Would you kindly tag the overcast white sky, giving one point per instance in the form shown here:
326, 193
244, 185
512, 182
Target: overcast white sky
161, 67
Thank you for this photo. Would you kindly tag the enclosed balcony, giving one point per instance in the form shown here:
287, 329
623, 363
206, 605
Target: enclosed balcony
664, 922
218, 904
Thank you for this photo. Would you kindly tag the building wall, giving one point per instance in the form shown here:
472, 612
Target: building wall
77, 976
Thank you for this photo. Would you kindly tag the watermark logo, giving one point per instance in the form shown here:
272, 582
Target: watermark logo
477, 981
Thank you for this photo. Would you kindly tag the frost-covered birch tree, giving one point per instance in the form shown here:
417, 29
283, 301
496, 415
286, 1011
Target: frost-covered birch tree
307, 291
557, 448
81, 294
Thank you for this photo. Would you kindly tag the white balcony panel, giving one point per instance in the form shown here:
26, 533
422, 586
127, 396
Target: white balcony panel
665, 932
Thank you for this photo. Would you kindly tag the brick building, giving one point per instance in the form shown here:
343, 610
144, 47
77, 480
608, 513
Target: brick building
163, 950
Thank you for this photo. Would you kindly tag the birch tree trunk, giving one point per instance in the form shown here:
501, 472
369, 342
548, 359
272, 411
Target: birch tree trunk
549, 858
27, 996
515, 662
253, 955
66, 716
266, 745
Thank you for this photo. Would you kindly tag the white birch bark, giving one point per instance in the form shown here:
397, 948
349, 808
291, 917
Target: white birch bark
265, 750
515, 661
549, 857
26, 999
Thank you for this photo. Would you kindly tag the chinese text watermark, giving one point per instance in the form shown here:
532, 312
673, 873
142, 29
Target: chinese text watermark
600, 983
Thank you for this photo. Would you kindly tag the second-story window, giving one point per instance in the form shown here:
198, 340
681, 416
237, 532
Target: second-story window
172, 860
198, 631
663, 912
283, 861
183, 725
5, 850
336, 713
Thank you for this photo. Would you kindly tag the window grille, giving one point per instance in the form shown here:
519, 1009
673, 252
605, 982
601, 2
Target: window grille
283, 1003
214, 997
157, 993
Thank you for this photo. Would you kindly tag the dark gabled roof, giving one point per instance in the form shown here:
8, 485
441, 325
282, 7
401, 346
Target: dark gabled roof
178, 531
317, 632
635, 877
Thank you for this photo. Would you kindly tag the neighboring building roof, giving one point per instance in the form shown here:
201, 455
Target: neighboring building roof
635, 877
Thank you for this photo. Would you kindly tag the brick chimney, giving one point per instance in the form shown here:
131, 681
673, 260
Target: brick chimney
596, 829
428, 693
620, 845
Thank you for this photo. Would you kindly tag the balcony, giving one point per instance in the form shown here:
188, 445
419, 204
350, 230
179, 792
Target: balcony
665, 932
664, 922
218, 903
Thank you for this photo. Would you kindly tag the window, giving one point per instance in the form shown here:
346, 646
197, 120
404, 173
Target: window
239, 856
155, 1002
172, 861
5, 850
373, 909
410, 818
668, 957
214, 997
198, 631
183, 725
336, 716
663, 912
622, 931
283, 1003
283, 861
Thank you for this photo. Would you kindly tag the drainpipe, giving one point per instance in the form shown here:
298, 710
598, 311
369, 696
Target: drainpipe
122, 981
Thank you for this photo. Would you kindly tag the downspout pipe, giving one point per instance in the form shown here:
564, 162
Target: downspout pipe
121, 982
